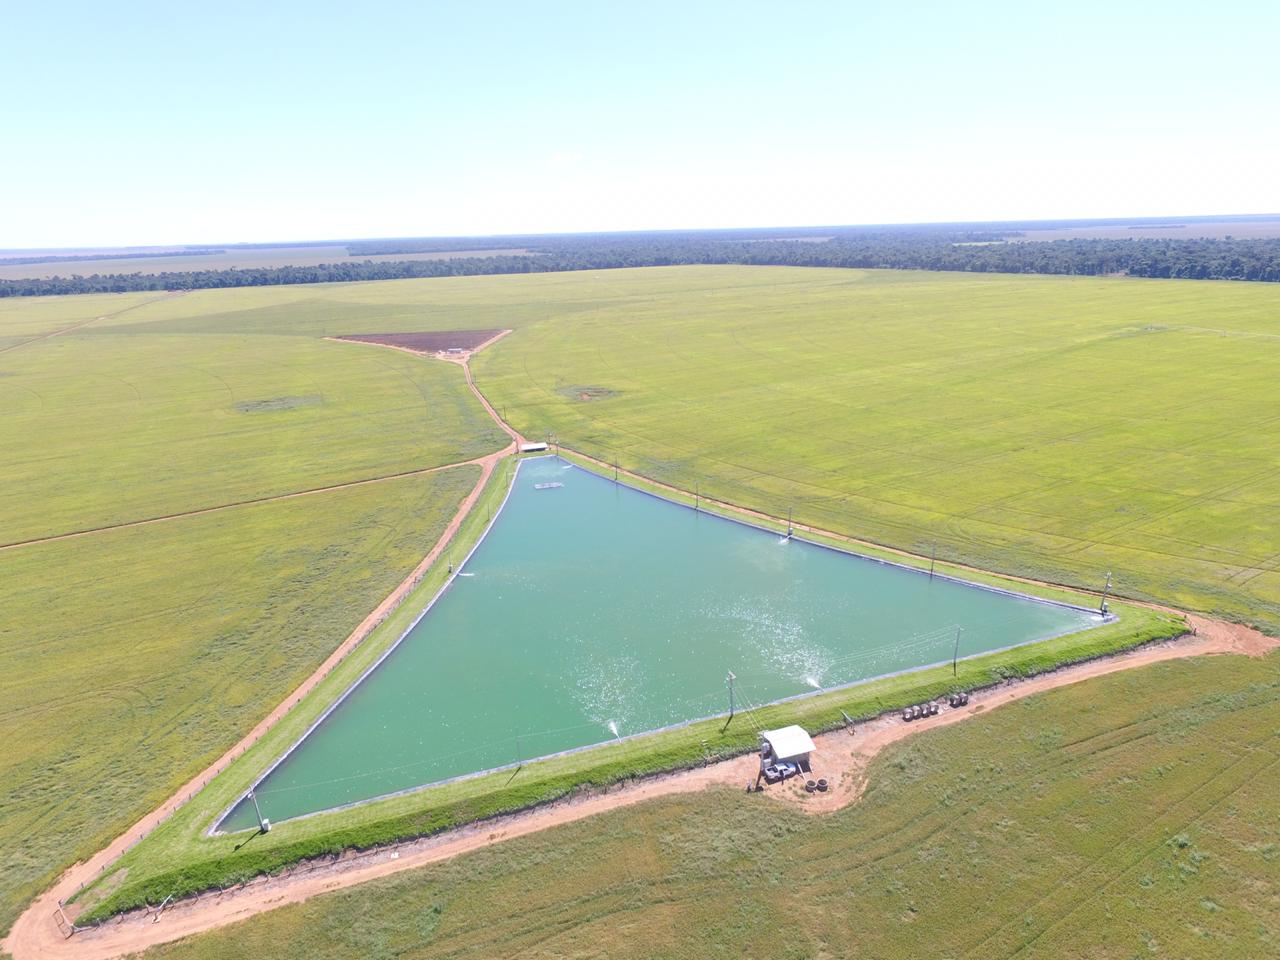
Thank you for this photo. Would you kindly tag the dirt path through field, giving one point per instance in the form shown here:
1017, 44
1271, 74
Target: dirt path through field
84, 323
842, 758
243, 503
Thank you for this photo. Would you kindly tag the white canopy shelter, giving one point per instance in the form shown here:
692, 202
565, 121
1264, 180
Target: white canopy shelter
786, 743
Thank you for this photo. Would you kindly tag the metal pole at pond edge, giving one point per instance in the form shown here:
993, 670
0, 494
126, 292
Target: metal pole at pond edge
955, 653
697, 496
933, 558
1102, 608
263, 825
729, 678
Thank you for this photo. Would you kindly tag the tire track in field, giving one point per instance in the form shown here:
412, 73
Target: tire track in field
238, 503
84, 323
1146, 845
906, 837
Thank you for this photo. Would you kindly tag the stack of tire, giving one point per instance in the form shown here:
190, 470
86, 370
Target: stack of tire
920, 710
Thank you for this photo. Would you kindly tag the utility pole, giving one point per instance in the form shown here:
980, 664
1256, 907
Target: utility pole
955, 653
1105, 591
263, 824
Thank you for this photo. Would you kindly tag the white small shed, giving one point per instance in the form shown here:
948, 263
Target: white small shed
532, 447
790, 744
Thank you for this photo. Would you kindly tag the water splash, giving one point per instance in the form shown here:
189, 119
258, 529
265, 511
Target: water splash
784, 540
466, 574
811, 681
606, 687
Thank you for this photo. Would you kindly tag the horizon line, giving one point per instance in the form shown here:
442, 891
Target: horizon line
325, 241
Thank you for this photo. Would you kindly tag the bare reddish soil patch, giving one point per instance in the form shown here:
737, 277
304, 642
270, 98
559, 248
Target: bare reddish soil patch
429, 341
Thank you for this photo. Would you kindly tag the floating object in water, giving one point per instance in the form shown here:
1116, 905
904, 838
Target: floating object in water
547, 486
466, 574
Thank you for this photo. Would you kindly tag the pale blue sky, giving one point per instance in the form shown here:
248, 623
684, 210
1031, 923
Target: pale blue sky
135, 123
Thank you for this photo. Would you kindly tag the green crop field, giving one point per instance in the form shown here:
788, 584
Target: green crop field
130, 658
1129, 816
1055, 427
124, 425
1051, 426
23, 322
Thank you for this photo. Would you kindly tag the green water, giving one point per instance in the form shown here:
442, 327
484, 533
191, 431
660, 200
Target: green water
593, 610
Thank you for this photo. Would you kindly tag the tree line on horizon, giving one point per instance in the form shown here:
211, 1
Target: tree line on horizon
889, 248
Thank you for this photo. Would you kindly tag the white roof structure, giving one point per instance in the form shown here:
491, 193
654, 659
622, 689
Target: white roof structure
788, 742
532, 447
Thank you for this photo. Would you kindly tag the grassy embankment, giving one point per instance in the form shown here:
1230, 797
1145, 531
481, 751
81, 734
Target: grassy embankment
131, 658
1133, 815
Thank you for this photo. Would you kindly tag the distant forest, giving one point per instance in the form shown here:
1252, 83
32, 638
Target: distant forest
981, 248
136, 255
